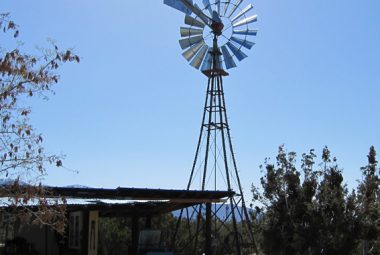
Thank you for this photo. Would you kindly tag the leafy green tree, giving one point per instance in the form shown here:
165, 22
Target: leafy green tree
22, 158
283, 222
369, 206
114, 235
337, 225
306, 211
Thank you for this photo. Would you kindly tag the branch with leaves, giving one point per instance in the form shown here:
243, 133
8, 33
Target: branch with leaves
22, 157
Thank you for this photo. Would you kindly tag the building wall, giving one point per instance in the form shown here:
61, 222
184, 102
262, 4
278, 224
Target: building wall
44, 239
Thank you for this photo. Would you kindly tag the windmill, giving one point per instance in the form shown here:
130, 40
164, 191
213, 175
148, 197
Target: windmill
214, 37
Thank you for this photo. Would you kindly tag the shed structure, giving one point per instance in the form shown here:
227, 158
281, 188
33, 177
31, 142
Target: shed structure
86, 205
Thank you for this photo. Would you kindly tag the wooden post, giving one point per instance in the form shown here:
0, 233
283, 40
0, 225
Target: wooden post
208, 229
148, 222
135, 234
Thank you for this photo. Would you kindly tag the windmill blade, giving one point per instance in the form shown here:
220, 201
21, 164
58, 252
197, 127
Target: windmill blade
217, 2
228, 60
226, 4
237, 52
198, 11
187, 31
245, 32
244, 11
187, 42
207, 62
207, 5
190, 53
219, 62
197, 61
245, 43
216, 17
179, 5
194, 22
238, 3
245, 21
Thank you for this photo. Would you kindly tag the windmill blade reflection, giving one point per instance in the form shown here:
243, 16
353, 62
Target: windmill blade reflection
207, 5
218, 7
187, 31
226, 5
197, 61
238, 3
245, 21
207, 62
194, 22
244, 11
245, 32
228, 60
179, 5
236, 51
219, 63
245, 43
190, 53
187, 42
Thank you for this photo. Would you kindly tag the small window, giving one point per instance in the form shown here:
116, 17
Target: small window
75, 230
7, 228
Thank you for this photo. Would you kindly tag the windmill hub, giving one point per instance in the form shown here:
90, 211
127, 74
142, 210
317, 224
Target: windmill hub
217, 28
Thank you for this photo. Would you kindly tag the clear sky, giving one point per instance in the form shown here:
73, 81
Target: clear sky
129, 114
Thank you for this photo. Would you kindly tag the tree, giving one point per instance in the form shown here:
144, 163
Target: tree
307, 211
369, 206
22, 158
338, 227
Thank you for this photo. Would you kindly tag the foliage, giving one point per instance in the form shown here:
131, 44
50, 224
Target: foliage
114, 235
369, 206
310, 211
22, 156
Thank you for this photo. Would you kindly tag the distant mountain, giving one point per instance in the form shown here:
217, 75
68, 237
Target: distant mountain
4, 182
77, 186
223, 211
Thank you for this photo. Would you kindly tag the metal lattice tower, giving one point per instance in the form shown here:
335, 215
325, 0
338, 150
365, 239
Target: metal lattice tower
214, 166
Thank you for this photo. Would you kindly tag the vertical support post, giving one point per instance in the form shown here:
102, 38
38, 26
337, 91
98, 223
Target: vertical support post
85, 227
148, 221
46, 240
208, 229
135, 234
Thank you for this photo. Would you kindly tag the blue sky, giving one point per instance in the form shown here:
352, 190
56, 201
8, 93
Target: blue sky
129, 113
